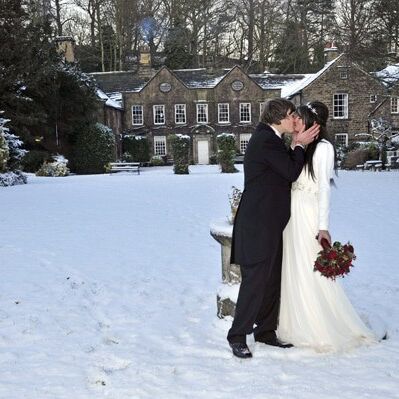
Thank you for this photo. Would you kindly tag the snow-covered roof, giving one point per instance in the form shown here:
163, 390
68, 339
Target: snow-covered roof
119, 81
295, 87
275, 81
200, 78
389, 75
109, 101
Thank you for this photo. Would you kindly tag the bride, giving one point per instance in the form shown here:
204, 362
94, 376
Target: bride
314, 310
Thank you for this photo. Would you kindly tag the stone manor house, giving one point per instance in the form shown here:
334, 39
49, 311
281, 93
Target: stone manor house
203, 103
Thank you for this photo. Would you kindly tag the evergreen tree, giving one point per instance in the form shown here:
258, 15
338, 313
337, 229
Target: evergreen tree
177, 47
46, 100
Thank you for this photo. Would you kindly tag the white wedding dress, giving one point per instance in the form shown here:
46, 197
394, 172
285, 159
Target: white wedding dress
314, 310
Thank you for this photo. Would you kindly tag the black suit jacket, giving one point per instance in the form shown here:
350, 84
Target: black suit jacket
264, 209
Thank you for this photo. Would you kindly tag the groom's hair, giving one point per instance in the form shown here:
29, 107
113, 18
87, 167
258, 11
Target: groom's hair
275, 110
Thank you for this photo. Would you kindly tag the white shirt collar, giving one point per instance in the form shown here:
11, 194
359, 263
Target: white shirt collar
276, 131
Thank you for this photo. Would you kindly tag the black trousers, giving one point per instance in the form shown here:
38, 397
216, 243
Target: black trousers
258, 300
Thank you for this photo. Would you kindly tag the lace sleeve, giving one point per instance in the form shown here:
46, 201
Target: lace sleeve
324, 161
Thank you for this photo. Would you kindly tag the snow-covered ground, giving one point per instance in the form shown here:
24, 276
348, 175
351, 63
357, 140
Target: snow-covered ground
108, 290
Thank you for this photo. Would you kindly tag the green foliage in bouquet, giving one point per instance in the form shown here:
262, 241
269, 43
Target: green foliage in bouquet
180, 146
227, 150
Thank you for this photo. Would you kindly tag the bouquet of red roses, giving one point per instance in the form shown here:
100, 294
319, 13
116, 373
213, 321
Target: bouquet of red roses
334, 261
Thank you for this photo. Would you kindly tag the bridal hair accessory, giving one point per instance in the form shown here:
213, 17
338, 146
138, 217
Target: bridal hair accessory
334, 261
312, 109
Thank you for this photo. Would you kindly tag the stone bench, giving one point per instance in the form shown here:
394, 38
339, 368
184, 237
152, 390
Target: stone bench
124, 167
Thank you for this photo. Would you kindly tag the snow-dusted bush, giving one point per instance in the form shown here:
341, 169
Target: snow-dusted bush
180, 145
32, 161
137, 147
157, 160
94, 148
56, 168
227, 151
4, 153
11, 154
12, 178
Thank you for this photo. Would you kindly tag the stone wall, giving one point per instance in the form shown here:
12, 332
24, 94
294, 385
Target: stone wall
359, 85
151, 95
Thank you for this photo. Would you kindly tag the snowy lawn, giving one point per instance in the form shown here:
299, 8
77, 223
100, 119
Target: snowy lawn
108, 290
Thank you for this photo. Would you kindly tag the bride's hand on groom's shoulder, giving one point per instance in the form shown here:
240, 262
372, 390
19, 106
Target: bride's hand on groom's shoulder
323, 234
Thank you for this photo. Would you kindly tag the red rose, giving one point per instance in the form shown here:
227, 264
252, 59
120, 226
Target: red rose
332, 255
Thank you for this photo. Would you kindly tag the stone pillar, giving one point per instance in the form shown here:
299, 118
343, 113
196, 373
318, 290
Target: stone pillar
231, 275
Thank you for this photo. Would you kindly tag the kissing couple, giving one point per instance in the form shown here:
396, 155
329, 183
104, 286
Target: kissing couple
282, 217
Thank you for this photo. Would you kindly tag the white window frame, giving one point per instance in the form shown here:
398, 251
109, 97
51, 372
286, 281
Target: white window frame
340, 106
225, 112
342, 135
140, 114
241, 110
203, 106
394, 105
160, 145
244, 139
180, 107
373, 98
155, 109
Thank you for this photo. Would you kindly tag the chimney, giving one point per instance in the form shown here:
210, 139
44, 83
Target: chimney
145, 71
145, 57
330, 52
65, 48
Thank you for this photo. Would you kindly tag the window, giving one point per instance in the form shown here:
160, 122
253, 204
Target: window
202, 113
159, 145
137, 115
245, 112
395, 105
341, 139
244, 139
373, 98
159, 114
180, 113
223, 113
340, 106
261, 107
343, 74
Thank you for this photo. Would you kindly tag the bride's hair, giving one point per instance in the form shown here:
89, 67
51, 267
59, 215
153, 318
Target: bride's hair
315, 111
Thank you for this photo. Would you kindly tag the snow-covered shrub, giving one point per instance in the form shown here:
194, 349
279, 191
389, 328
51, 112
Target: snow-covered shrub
4, 153
56, 168
180, 145
157, 160
94, 148
11, 154
16, 153
12, 178
137, 147
227, 151
32, 161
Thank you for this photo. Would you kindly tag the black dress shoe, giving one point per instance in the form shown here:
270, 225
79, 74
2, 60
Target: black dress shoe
276, 342
240, 350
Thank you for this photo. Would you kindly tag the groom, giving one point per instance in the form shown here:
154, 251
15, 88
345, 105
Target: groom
264, 211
